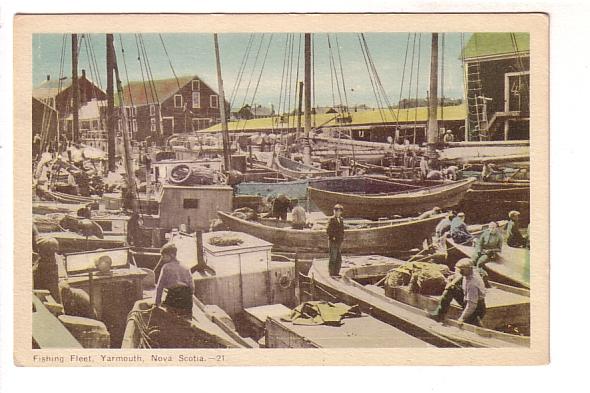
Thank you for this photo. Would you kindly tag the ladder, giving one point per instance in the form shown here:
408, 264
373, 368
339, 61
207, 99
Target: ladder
476, 105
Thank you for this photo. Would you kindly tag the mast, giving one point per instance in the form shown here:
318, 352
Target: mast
132, 186
299, 108
433, 101
75, 90
111, 139
225, 132
307, 105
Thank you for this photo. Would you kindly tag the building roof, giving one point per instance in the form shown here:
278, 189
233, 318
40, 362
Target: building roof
164, 89
420, 114
50, 88
496, 44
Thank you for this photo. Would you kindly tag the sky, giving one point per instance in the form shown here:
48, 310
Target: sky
193, 54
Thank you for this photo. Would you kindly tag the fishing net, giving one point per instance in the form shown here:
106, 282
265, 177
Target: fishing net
225, 240
421, 277
245, 213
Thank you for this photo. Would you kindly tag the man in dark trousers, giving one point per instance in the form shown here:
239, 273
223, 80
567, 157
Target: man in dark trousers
335, 232
177, 279
468, 289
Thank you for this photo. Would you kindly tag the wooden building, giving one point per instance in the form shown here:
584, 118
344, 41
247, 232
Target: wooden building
58, 94
497, 69
373, 125
164, 107
44, 119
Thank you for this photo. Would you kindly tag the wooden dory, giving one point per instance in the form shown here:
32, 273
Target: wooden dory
298, 170
512, 265
386, 239
402, 203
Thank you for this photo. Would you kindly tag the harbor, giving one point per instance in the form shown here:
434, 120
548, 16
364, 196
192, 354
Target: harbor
167, 215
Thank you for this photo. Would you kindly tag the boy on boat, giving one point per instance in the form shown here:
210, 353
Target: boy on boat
468, 289
335, 232
178, 280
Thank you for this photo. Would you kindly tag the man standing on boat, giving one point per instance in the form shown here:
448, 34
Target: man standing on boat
424, 167
178, 280
468, 289
335, 232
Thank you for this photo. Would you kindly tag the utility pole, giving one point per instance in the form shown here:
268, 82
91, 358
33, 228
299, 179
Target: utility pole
307, 106
111, 138
432, 102
75, 91
225, 132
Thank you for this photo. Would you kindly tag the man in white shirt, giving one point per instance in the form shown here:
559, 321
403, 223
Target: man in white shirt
468, 289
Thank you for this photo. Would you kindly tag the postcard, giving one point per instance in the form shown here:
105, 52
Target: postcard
281, 189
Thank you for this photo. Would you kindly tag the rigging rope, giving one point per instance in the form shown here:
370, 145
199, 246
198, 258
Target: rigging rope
141, 69
402, 81
417, 86
260, 75
169, 60
241, 70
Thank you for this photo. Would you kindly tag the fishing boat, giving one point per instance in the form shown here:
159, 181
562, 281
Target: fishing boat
386, 238
298, 170
505, 305
406, 317
511, 266
73, 242
408, 201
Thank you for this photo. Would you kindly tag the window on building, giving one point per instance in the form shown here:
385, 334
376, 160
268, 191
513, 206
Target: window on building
134, 129
95, 125
214, 101
178, 101
190, 203
196, 99
152, 110
153, 125
199, 124
196, 85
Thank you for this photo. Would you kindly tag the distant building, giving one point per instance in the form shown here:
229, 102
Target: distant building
497, 75
58, 94
168, 106
255, 111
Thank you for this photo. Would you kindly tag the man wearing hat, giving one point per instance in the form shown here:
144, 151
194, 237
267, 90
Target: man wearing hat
178, 280
448, 136
513, 236
468, 289
335, 232
487, 247
459, 231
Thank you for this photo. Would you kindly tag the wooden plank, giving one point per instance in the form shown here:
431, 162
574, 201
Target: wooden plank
48, 332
